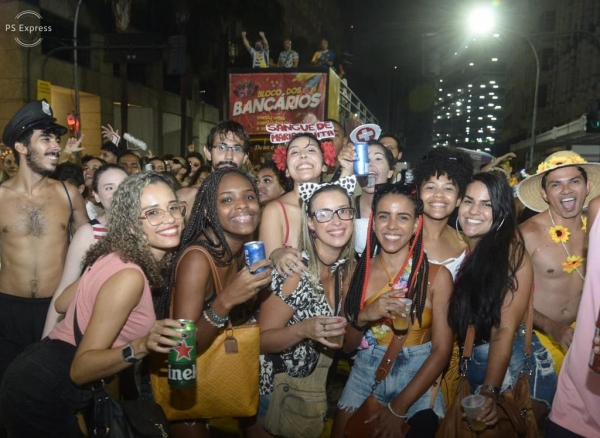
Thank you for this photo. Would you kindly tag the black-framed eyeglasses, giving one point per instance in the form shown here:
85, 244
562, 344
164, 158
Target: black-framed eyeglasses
326, 215
400, 187
156, 216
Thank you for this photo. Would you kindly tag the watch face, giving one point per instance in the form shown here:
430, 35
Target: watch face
129, 354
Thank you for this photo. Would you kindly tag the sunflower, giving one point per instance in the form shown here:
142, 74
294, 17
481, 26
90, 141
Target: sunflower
573, 263
559, 234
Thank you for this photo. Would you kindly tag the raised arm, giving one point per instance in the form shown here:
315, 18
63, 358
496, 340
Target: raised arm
95, 358
80, 216
264, 40
245, 41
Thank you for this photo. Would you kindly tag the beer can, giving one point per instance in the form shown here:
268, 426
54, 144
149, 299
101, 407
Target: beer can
254, 252
361, 164
181, 365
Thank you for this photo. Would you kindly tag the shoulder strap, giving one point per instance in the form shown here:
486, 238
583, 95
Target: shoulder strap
70, 227
213, 267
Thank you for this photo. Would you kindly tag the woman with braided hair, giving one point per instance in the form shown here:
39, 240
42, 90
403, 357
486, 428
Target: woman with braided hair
225, 214
395, 265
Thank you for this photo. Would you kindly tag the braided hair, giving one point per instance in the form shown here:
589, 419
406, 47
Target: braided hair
204, 228
417, 282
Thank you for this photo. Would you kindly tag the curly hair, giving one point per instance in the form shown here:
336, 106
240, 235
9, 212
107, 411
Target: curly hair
418, 279
453, 163
284, 181
489, 273
307, 242
125, 235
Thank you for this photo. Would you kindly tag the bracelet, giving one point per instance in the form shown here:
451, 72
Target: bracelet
217, 318
493, 389
389, 405
360, 328
211, 322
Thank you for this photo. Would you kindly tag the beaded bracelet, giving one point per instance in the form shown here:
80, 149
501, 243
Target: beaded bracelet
211, 322
217, 318
404, 417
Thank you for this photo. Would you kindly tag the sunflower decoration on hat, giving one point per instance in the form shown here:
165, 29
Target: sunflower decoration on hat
529, 192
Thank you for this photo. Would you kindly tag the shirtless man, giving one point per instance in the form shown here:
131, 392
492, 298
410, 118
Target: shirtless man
35, 228
557, 243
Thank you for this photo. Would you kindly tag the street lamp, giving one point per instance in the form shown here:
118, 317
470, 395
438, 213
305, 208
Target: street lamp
482, 21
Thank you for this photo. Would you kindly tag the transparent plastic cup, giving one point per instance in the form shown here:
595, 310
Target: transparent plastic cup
401, 323
472, 405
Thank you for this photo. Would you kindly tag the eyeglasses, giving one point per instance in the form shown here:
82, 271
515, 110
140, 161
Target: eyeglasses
156, 216
237, 150
326, 215
176, 161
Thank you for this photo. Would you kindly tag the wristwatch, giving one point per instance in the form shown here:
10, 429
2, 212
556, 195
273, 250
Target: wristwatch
129, 354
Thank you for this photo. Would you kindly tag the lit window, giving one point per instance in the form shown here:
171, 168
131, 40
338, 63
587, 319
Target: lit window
482, 86
469, 85
495, 97
498, 107
492, 82
471, 64
490, 104
479, 118
495, 86
494, 59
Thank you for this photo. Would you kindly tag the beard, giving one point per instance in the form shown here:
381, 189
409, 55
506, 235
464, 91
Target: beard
33, 161
222, 164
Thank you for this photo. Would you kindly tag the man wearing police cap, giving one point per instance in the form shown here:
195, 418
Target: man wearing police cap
35, 220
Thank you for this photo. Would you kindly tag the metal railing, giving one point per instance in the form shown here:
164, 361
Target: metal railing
350, 104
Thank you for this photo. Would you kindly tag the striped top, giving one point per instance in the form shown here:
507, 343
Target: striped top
98, 229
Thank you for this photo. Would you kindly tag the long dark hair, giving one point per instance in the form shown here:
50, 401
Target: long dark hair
420, 266
490, 271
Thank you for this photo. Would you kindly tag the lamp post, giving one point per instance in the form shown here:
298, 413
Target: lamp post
482, 21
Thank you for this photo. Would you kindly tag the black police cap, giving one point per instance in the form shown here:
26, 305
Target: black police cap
35, 115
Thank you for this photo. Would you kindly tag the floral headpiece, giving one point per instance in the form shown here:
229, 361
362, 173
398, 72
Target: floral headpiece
329, 155
558, 160
307, 190
5, 153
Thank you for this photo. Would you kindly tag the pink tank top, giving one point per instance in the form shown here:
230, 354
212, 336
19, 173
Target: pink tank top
140, 320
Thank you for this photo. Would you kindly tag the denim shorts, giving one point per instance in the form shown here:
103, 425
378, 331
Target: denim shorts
543, 379
263, 404
407, 364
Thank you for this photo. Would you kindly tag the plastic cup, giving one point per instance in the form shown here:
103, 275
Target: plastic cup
338, 340
472, 405
401, 323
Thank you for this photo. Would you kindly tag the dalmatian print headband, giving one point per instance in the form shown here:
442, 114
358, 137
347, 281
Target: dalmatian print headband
308, 189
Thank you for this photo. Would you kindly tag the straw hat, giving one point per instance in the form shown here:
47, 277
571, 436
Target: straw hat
529, 189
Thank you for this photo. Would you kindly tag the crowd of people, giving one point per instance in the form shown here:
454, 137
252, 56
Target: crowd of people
99, 261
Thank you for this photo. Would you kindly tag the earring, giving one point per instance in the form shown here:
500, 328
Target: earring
501, 223
312, 233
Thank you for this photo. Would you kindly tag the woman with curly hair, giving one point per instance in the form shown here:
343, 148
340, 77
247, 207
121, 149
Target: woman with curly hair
393, 266
304, 161
492, 289
225, 214
42, 391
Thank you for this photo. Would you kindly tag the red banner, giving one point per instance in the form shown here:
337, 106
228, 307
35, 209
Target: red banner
264, 98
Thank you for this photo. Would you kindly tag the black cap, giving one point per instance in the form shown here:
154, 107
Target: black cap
34, 115
110, 147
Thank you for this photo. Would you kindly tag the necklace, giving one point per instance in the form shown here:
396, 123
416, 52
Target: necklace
561, 234
400, 272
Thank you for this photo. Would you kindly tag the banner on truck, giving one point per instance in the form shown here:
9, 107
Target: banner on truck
266, 98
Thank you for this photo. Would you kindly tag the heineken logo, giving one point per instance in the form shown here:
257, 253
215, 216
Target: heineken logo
178, 374
183, 351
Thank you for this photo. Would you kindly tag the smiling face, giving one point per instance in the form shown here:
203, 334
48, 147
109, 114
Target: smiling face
269, 187
10, 165
304, 160
41, 155
475, 213
337, 232
131, 164
565, 191
394, 222
237, 204
108, 183
439, 196
379, 169
228, 150
89, 169
163, 237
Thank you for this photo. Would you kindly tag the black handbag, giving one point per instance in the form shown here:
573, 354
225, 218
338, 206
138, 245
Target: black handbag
109, 418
